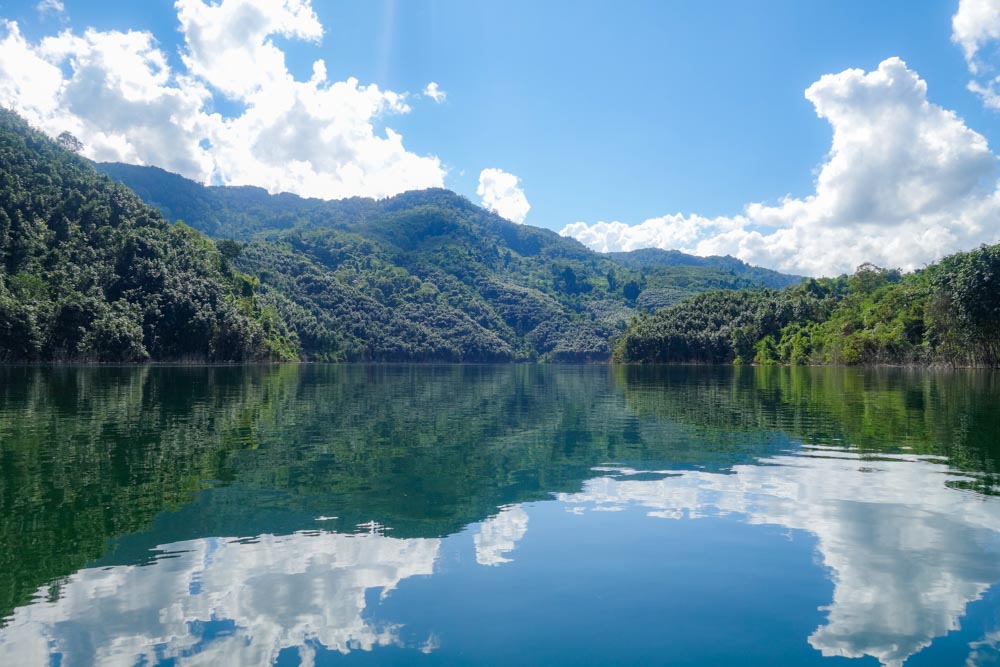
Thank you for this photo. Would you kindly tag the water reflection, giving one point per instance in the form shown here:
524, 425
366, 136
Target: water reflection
221, 601
124, 493
498, 536
906, 552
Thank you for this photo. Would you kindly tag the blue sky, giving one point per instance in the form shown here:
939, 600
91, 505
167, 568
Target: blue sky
605, 112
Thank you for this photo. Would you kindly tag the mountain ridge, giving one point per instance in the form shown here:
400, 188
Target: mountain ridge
428, 274
142, 180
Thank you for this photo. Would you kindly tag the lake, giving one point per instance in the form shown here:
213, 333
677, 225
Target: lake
498, 515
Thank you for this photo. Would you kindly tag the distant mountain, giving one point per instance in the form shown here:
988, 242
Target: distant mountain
89, 272
655, 257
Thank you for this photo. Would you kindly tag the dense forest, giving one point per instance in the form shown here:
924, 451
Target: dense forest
947, 313
89, 272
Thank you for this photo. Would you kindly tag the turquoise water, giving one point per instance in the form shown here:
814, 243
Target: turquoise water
498, 515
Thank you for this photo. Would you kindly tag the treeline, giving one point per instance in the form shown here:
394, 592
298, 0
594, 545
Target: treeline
89, 272
947, 313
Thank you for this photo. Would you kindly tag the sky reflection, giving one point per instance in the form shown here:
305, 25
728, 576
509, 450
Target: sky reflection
906, 552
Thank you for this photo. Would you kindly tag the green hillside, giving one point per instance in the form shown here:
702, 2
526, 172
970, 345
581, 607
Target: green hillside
89, 272
947, 313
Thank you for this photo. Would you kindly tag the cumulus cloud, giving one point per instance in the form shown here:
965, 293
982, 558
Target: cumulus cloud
432, 91
229, 45
121, 102
905, 182
989, 92
501, 193
118, 94
975, 27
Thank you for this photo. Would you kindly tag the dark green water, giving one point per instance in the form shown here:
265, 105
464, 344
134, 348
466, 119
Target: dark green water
498, 515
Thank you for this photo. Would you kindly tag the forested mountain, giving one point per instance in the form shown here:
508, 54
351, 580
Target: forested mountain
657, 258
946, 313
427, 275
89, 272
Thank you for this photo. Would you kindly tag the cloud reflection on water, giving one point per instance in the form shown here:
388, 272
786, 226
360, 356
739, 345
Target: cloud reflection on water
906, 552
221, 602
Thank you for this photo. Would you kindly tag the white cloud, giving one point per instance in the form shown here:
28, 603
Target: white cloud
121, 101
905, 183
28, 82
47, 7
432, 91
118, 94
974, 25
976, 28
668, 231
988, 91
501, 193
229, 46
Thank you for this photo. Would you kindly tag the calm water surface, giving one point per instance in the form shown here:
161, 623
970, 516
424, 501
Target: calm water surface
498, 515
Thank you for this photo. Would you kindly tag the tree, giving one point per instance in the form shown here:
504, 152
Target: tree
229, 249
972, 281
569, 279
69, 142
631, 290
